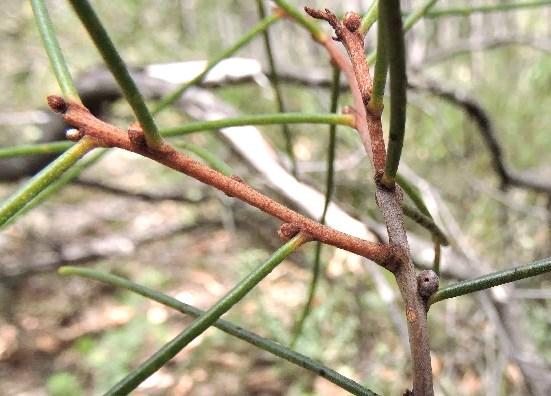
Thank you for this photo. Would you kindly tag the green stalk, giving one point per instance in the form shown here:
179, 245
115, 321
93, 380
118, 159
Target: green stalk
263, 343
491, 280
426, 222
211, 159
466, 11
57, 61
43, 179
300, 17
370, 17
169, 350
245, 39
423, 216
413, 193
261, 119
277, 90
33, 149
71, 174
375, 105
197, 126
408, 24
416, 15
390, 18
329, 188
116, 65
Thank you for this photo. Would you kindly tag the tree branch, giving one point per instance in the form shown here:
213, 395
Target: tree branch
110, 136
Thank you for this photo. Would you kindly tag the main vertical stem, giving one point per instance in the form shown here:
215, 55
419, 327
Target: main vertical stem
390, 204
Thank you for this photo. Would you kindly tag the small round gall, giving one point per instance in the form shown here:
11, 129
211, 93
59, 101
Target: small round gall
427, 283
352, 21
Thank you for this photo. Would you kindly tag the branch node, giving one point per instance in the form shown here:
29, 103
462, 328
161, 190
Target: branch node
136, 136
288, 230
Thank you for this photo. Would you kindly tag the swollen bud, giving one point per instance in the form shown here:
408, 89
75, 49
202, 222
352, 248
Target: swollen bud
352, 21
57, 103
73, 134
427, 283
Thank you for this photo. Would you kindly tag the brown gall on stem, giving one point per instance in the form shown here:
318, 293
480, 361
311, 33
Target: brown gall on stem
352, 21
57, 104
427, 283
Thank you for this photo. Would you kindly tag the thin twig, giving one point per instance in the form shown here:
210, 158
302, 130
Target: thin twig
110, 136
329, 188
277, 90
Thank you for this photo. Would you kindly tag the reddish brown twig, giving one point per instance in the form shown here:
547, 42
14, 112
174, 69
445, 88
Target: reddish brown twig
357, 73
108, 135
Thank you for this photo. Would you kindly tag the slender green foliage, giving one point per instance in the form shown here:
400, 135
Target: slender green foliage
409, 22
244, 40
391, 21
169, 350
300, 17
426, 222
419, 13
277, 89
228, 327
261, 119
197, 126
43, 179
495, 279
413, 193
329, 188
51, 45
370, 17
116, 65
499, 7
34, 149
52, 188
375, 104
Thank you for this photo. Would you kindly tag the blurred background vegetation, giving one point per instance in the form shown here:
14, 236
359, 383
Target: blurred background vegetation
70, 336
